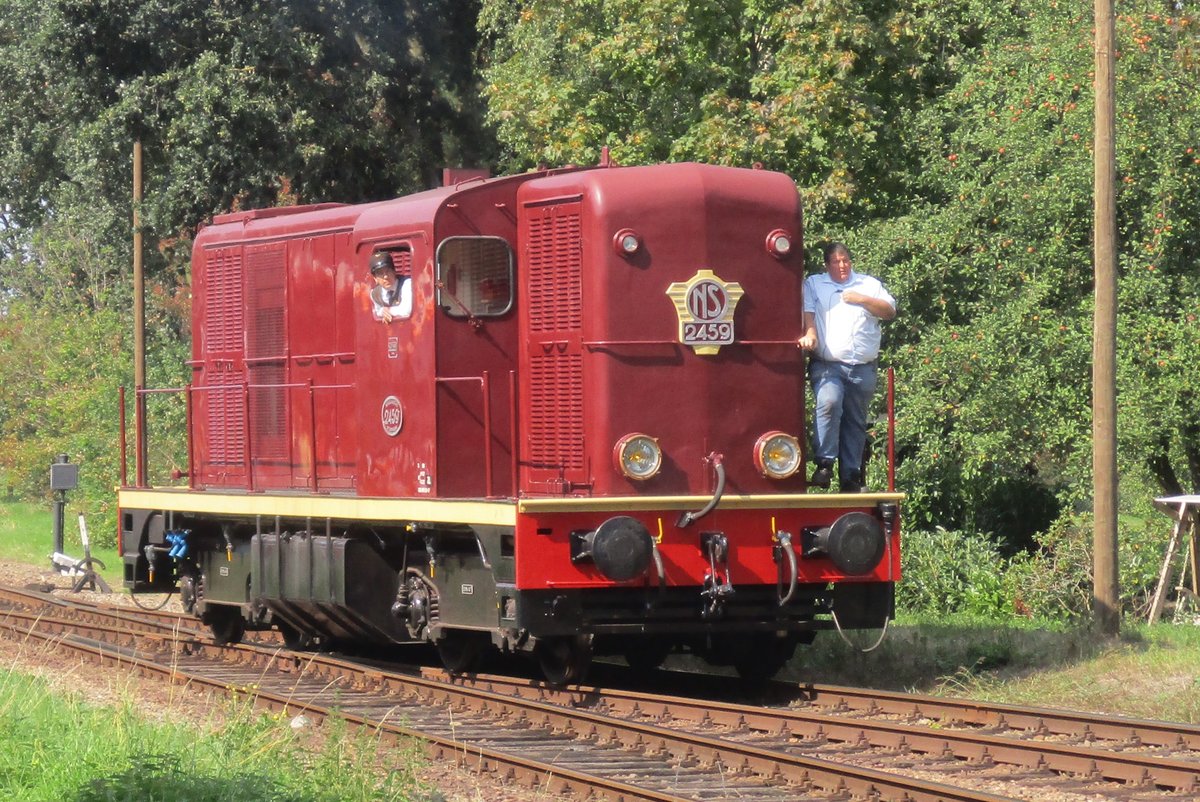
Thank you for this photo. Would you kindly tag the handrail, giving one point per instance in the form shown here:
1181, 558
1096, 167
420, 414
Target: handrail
891, 404
249, 451
512, 418
312, 438
124, 452
297, 386
302, 358
191, 454
291, 386
188, 390
593, 344
139, 436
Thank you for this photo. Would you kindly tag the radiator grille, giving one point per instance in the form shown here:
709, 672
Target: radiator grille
554, 255
266, 351
556, 398
223, 302
226, 419
223, 338
555, 260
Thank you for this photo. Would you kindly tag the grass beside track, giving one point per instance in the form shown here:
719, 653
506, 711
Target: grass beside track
1148, 672
27, 535
58, 749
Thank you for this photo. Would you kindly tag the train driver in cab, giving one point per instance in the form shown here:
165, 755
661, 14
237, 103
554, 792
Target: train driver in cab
391, 297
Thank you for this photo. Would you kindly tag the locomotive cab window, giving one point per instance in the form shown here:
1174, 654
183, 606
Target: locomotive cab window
391, 275
475, 276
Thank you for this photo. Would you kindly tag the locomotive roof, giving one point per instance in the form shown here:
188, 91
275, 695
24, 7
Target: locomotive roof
417, 212
686, 179
417, 209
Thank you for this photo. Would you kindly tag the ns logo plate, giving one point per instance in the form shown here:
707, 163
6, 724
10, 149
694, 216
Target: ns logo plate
705, 305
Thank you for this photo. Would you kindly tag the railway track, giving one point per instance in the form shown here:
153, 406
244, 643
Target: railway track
818, 743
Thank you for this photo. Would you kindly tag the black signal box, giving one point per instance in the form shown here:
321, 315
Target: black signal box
64, 476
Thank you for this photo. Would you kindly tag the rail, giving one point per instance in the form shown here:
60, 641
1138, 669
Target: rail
678, 739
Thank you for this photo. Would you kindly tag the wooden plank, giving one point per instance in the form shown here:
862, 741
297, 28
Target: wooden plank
1164, 576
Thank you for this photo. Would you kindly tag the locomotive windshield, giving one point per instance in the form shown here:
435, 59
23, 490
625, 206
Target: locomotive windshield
475, 276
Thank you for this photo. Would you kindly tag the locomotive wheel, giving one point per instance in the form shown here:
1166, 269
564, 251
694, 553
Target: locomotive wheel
295, 639
460, 650
648, 655
564, 660
226, 624
188, 592
762, 656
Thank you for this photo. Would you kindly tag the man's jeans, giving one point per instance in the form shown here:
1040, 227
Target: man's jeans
843, 393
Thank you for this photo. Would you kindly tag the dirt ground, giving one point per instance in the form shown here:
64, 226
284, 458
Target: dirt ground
113, 687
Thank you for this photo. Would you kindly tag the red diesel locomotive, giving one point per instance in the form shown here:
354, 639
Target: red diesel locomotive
583, 434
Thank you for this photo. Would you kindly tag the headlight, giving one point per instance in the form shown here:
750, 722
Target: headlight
637, 456
777, 455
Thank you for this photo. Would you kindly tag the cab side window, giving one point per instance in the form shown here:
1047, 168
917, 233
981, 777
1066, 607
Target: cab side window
391, 275
475, 276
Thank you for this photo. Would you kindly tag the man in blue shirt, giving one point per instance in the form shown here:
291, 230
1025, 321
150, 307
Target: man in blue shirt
842, 312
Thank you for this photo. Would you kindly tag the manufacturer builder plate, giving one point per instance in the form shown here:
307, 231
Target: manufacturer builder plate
391, 415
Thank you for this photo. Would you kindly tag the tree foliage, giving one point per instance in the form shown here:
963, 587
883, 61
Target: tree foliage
61, 367
994, 258
821, 90
237, 103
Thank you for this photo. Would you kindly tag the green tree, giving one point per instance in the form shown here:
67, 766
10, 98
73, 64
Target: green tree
823, 91
993, 264
238, 104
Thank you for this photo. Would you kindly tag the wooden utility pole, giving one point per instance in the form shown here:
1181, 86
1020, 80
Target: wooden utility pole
1106, 596
139, 323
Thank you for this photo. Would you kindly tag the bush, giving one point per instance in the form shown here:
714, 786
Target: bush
1055, 582
959, 572
948, 571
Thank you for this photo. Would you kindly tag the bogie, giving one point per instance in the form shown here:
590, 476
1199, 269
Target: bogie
462, 650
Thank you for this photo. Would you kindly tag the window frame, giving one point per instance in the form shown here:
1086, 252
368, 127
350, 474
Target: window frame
453, 310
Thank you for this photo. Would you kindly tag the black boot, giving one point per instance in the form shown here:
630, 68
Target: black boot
851, 483
823, 475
